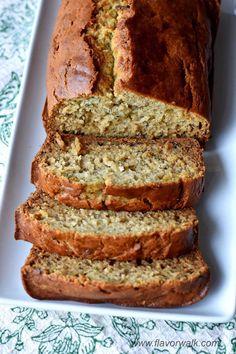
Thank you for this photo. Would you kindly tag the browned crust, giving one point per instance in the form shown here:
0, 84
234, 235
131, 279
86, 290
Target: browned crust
168, 196
71, 71
155, 196
176, 38
173, 38
170, 294
158, 245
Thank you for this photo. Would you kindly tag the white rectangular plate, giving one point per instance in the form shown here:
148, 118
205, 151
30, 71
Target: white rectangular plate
217, 223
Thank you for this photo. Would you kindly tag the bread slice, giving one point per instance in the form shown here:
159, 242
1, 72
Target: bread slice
125, 68
119, 174
159, 283
103, 234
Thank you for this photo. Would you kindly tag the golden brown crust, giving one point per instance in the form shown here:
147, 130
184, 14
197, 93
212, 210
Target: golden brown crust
71, 70
155, 196
170, 294
176, 38
159, 245
169, 196
164, 52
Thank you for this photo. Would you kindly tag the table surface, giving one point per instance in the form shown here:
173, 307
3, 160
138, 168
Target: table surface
28, 330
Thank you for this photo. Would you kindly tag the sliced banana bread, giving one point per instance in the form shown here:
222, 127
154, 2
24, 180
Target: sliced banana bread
119, 174
159, 283
129, 68
103, 234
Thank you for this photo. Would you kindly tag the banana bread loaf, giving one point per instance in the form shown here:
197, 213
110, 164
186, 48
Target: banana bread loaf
159, 283
120, 174
129, 68
103, 234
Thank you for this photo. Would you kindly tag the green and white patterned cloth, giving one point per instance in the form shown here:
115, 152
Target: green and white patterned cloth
27, 330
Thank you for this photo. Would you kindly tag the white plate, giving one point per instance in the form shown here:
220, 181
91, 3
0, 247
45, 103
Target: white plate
217, 224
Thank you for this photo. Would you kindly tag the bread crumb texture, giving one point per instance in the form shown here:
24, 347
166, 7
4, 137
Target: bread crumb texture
122, 164
50, 214
133, 273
